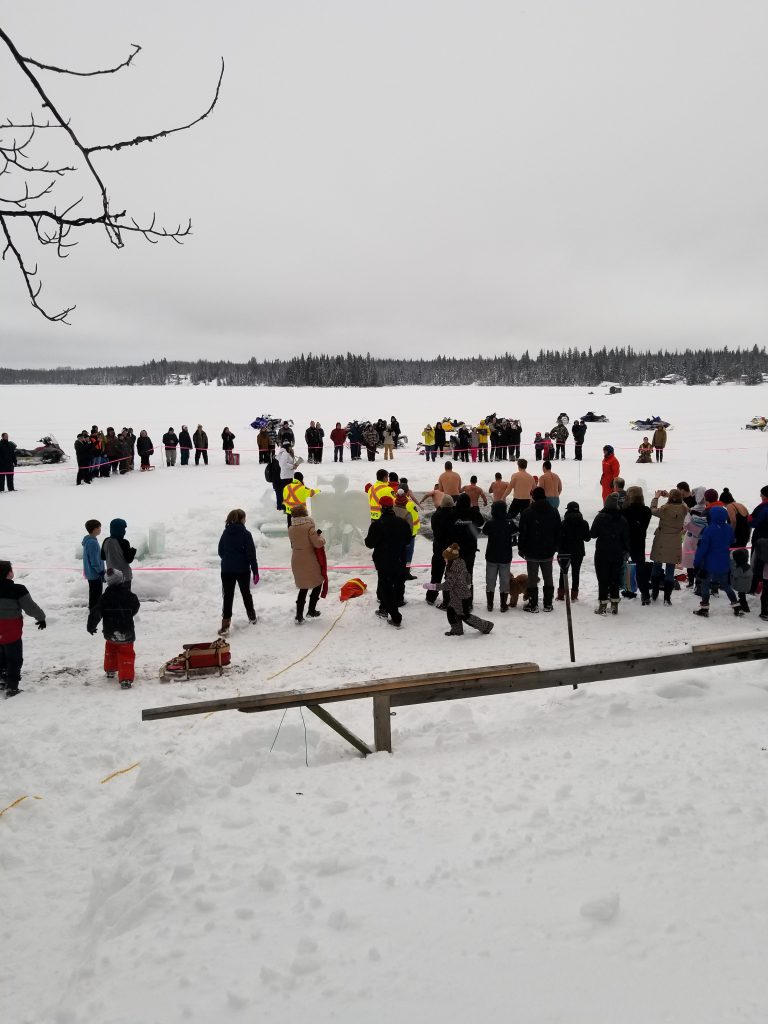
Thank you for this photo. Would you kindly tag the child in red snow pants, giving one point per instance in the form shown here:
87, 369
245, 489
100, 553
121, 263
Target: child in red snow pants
120, 658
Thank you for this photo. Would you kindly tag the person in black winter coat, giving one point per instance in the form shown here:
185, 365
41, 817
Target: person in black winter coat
611, 532
83, 454
579, 432
439, 444
145, 448
389, 537
574, 531
237, 552
227, 444
170, 443
500, 531
465, 532
7, 462
515, 435
537, 543
355, 437
441, 524
638, 517
15, 602
185, 444
117, 607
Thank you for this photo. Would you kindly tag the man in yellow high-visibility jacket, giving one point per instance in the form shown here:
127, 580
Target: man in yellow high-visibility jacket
296, 493
483, 432
428, 433
376, 492
405, 505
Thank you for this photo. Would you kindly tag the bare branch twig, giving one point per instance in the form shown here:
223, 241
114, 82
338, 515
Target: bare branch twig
27, 274
84, 74
141, 139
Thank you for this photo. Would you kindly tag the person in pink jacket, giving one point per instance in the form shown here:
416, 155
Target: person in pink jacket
611, 469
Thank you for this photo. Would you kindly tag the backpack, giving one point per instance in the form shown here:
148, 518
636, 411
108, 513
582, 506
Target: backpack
272, 471
741, 530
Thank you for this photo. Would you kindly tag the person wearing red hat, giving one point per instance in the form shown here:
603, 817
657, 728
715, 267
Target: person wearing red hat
388, 537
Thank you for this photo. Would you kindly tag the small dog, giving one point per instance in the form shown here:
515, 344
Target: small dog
517, 587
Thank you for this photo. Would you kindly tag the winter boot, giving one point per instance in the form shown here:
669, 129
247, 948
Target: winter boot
549, 593
481, 625
668, 588
503, 602
702, 612
744, 604
110, 675
11, 691
736, 609
615, 605
300, 601
312, 611
561, 592
125, 684
457, 629
655, 580
222, 632
602, 608
531, 600
489, 594
574, 593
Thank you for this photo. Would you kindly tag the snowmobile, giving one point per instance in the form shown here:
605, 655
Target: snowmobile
49, 453
650, 423
757, 423
270, 422
592, 417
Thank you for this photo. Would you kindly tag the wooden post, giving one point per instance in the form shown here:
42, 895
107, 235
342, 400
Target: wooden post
382, 725
342, 730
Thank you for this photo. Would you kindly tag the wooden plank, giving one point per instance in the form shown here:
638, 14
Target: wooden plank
579, 675
475, 682
382, 723
293, 698
342, 730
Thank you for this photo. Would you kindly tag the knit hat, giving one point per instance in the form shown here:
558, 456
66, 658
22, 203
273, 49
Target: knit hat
387, 501
611, 502
764, 491
608, 448
114, 577
572, 506
538, 494
451, 553
710, 494
299, 510
726, 497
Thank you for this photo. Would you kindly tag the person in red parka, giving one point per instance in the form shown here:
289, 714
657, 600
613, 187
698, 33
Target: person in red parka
611, 469
338, 436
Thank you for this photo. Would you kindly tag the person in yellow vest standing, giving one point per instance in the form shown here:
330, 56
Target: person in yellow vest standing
296, 493
376, 491
483, 432
402, 501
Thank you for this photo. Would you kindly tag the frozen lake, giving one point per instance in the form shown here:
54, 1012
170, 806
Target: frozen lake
607, 838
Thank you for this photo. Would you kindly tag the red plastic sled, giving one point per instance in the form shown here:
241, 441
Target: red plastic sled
198, 660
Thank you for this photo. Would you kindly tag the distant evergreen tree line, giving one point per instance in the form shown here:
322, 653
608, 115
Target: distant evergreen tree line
554, 368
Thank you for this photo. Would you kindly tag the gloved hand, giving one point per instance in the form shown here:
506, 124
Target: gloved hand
92, 632
430, 586
41, 624
256, 577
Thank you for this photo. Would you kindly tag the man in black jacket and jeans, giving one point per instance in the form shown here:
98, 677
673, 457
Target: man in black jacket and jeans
442, 525
389, 537
537, 543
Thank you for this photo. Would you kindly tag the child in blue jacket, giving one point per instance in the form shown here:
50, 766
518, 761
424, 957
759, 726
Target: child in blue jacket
713, 559
93, 564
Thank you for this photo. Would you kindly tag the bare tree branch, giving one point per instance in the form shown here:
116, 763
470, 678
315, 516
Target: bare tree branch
27, 274
141, 139
84, 74
51, 227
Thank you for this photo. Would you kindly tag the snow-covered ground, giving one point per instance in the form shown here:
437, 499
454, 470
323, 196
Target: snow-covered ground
590, 856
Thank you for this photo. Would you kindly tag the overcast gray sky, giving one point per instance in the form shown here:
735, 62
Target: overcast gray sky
409, 177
